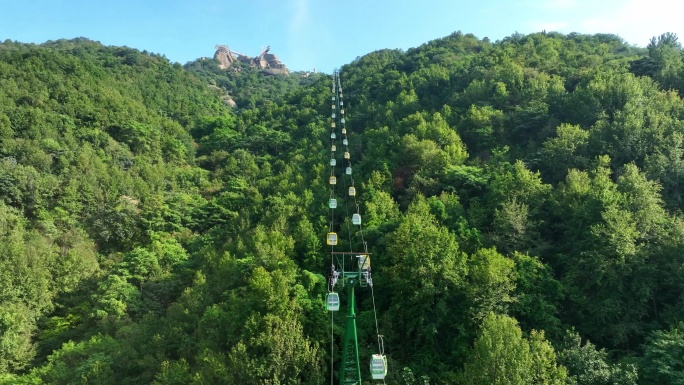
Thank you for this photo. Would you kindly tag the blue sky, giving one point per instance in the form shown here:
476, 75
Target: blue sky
322, 34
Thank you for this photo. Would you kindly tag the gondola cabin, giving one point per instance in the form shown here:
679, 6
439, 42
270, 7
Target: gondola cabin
332, 98
378, 366
356, 219
332, 203
333, 115
331, 239
345, 142
333, 106
352, 191
342, 111
348, 171
341, 103
332, 135
364, 261
332, 302
332, 124
333, 162
346, 155
344, 131
333, 148
333, 180
342, 120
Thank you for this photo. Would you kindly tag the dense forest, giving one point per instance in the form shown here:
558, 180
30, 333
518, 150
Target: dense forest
522, 200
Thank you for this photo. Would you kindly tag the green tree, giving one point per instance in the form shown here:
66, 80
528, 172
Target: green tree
501, 355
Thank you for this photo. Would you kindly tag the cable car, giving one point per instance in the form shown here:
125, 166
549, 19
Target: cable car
332, 98
332, 302
345, 142
348, 171
333, 162
346, 155
332, 239
333, 115
333, 180
333, 148
344, 131
333, 106
332, 135
342, 120
364, 261
332, 124
378, 366
341, 103
332, 203
356, 219
342, 111
340, 95
352, 191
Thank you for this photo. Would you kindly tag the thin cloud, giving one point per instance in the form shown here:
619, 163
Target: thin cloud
559, 26
637, 21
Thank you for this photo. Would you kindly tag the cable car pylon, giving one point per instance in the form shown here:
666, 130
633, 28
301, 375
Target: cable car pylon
350, 269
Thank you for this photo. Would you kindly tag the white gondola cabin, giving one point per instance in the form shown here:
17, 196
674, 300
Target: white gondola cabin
378, 366
332, 203
332, 135
333, 115
333, 180
332, 124
348, 171
352, 191
332, 302
333, 162
346, 155
356, 219
345, 142
333, 148
342, 111
332, 98
331, 239
344, 131
342, 120
341, 103
333, 106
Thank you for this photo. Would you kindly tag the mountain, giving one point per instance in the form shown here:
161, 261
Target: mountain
521, 200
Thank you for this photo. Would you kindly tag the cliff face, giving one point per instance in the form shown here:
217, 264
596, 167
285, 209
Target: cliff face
224, 56
267, 62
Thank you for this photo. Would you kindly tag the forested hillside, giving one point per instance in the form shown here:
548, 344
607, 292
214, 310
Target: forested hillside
522, 200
